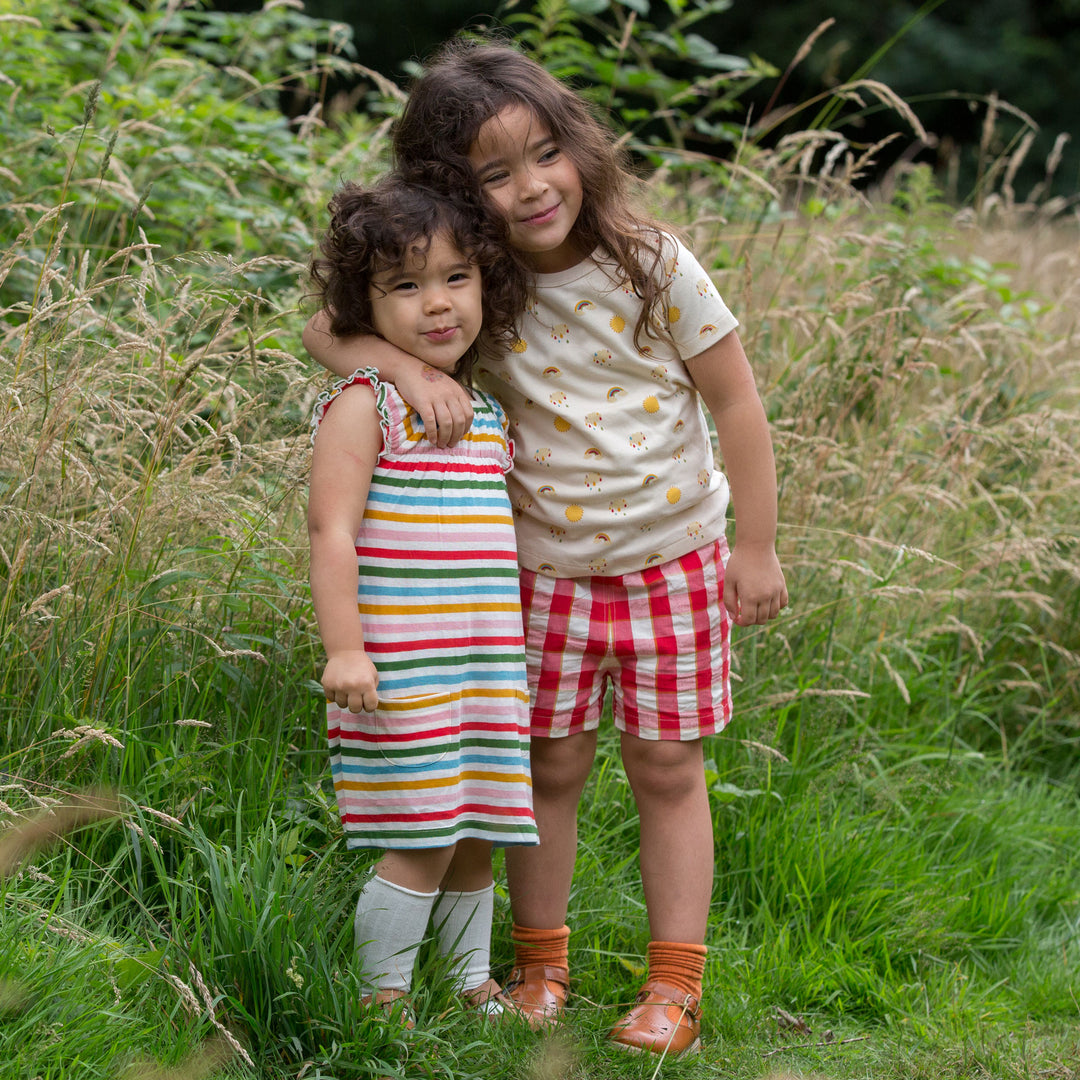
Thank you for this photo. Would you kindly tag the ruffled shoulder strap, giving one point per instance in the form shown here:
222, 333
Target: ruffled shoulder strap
388, 402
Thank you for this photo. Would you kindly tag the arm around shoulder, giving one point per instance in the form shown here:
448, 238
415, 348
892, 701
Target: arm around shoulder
441, 402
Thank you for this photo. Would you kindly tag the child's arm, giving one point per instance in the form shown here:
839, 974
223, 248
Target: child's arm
346, 450
441, 402
754, 587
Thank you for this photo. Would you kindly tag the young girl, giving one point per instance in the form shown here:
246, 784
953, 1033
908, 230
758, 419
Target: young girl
414, 581
626, 580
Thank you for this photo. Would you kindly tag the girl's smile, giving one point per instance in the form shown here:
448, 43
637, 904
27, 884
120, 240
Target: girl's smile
525, 173
543, 217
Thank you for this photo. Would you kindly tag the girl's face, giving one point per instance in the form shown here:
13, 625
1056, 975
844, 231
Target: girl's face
431, 306
525, 174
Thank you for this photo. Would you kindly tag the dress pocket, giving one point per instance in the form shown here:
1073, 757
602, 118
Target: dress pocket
417, 732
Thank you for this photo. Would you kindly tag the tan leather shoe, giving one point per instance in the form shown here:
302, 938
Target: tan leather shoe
539, 991
394, 1004
664, 1020
491, 1002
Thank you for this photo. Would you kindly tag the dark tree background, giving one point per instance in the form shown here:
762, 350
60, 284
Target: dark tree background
945, 65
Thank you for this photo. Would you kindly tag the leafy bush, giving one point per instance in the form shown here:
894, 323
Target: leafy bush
177, 111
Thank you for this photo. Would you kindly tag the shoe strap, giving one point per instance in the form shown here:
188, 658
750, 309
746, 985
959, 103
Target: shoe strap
672, 996
530, 971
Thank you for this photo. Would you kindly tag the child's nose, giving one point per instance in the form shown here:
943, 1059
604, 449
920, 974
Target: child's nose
437, 299
532, 184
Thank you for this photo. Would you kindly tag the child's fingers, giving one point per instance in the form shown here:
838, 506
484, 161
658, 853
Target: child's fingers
351, 688
748, 611
430, 422
452, 420
447, 414
464, 418
763, 611
363, 701
354, 700
731, 599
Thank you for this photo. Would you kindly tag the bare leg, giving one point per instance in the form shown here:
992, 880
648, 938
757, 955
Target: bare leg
668, 781
420, 869
539, 878
470, 868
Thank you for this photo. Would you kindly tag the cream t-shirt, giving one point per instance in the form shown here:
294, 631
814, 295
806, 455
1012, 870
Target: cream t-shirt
614, 468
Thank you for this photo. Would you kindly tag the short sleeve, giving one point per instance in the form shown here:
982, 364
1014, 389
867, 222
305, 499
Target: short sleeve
697, 316
387, 405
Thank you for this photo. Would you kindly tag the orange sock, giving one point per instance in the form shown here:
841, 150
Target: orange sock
532, 946
678, 964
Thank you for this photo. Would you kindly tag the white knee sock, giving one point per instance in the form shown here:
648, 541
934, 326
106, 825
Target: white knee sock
463, 923
390, 924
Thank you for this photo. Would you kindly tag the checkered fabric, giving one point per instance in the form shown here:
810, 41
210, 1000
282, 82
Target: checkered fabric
659, 638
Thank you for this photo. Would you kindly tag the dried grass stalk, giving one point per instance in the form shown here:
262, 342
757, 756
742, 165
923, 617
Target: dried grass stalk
19, 842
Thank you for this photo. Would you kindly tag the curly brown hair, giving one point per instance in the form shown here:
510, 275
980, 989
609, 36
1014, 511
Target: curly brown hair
468, 81
374, 229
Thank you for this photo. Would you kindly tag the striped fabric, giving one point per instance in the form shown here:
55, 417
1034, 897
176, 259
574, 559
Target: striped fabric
659, 637
445, 755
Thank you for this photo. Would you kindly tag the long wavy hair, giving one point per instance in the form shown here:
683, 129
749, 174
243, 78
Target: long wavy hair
375, 229
466, 82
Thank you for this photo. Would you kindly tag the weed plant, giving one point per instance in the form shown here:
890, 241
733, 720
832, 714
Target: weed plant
895, 804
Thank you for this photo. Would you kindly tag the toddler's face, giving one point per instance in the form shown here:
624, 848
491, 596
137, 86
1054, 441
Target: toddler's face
529, 179
431, 306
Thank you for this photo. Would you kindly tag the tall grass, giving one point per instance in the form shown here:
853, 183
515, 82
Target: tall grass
895, 805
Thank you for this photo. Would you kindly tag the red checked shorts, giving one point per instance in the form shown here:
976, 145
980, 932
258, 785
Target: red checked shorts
659, 638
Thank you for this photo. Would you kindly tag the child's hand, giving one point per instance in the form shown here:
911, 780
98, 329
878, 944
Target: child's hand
350, 681
443, 403
754, 586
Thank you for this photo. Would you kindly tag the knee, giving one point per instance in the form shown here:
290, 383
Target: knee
560, 767
470, 868
421, 869
667, 771
472, 857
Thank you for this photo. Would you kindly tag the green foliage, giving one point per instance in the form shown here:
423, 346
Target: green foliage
1004, 64
167, 120
642, 72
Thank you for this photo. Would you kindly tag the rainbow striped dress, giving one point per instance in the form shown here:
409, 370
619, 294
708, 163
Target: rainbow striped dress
445, 755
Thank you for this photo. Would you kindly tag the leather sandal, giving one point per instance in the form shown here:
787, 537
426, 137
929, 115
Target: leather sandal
539, 993
394, 1005
664, 1021
491, 1002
